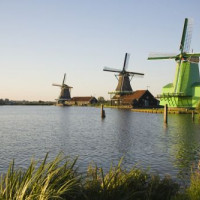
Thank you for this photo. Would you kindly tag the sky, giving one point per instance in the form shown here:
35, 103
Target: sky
42, 40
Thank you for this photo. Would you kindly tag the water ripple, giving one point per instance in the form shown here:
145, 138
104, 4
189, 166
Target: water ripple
142, 139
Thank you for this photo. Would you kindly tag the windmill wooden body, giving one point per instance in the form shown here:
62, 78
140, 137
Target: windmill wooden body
185, 89
124, 78
64, 93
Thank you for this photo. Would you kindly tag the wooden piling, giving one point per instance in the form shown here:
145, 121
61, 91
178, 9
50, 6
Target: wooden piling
193, 115
102, 112
166, 113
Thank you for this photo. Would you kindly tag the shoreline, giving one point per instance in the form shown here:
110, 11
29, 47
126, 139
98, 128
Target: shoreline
161, 110
144, 110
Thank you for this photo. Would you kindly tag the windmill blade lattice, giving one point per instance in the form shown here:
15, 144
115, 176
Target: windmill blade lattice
193, 54
135, 73
54, 84
126, 61
64, 79
108, 69
155, 56
186, 36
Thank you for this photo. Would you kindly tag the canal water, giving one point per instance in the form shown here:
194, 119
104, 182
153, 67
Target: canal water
141, 138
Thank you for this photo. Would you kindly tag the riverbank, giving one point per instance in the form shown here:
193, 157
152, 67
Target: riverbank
8, 102
59, 179
154, 110
161, 110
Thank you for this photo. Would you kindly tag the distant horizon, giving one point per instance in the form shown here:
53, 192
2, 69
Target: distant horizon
57, 98
40, 41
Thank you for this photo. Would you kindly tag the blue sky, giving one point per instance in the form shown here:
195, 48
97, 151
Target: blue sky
41, 40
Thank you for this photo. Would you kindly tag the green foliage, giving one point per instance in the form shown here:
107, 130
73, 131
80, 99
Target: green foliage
119, 184
59, 179
53, 180
2, 102
101, 99
198, 107
193, 191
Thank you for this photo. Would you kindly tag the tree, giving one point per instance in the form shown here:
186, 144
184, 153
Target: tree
2, 102
101, 99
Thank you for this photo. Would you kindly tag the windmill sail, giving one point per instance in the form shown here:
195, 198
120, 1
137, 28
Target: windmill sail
193, 54
123, 86
126, 60
184, 46
186, 36
135, 73
158, 56
54, 84
108, 69
64, 79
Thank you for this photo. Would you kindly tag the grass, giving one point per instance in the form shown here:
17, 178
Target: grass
59, 179
53, 180
122, 184
193, 191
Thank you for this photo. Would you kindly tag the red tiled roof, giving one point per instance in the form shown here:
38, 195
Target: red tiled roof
81, 98
135, 95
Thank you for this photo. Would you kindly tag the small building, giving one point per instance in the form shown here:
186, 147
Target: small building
138, 99
82, 101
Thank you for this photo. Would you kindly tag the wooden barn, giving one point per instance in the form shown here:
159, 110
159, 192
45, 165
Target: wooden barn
138, 99
82, 101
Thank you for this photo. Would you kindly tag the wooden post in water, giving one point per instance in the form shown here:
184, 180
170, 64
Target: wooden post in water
165, 113
193, 115
102, 112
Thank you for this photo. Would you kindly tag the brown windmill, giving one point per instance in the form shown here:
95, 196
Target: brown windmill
65, 92
124, 78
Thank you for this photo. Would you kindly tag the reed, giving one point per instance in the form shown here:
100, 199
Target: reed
53, 180
59, 179
198, 107
119, 184
193, 191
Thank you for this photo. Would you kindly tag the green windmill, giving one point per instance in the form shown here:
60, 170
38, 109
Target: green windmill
185, 90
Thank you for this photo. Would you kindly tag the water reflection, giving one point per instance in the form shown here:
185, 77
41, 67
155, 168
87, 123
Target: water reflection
124, 131
185, 143
165, 128
142, 138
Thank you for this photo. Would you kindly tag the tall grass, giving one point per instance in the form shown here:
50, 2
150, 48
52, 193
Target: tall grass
53, 180
193, 191
198, 107
119, 184
59, 179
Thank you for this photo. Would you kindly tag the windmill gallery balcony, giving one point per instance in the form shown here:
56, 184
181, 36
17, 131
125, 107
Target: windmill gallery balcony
166, 95
176, 99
